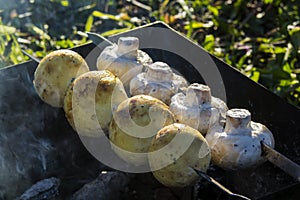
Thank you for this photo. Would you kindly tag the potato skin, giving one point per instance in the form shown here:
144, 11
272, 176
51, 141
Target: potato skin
55, 72
68, 105
135, 124
190, 151
91, 100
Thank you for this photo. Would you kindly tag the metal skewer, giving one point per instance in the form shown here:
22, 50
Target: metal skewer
219, 185
272, 155
31, 56
98, 39
279, 160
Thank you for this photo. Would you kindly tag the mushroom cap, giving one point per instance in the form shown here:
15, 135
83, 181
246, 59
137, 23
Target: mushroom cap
158, 81
264, 134
55, 72
221, 106
238, 145
197, 108
118, 65
91, 100
134, 125
175, 151
124, 60
144, 59
231, 152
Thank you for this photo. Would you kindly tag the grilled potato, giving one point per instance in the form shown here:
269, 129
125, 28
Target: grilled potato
175, 152
91, 100
55, 72
135, 124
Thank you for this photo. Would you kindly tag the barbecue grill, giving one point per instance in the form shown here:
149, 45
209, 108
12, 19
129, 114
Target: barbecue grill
36, 141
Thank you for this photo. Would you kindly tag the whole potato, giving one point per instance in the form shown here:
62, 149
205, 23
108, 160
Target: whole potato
175, 152
135, 123
90, 101
55, 72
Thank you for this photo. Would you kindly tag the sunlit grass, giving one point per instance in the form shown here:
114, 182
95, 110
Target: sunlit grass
260, 38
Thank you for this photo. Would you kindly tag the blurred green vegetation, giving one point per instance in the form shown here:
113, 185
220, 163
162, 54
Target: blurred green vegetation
261, 38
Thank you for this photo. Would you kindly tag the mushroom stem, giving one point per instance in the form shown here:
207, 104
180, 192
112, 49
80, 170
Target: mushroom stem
159, 72
219, 185
128, 46
97, 38
237, 119
198, 94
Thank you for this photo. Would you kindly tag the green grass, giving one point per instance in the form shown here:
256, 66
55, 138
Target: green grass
261, 38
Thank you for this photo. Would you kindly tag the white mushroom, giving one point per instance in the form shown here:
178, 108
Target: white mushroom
135, 123
55, 72
91, 100
175, 152
238, 145
124, 59
158, 81
198, 108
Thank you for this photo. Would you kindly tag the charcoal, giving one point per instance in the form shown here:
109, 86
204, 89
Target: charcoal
107, 186
45, 189
36, 141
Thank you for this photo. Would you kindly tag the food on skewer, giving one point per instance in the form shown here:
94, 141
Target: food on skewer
134, 125
94, 97
197, 108
175, 152
158, 81
90, 101
238, 145
124, 59
55, 72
